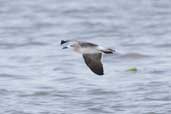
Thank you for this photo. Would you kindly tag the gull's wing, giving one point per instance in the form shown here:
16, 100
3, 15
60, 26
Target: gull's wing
93, 61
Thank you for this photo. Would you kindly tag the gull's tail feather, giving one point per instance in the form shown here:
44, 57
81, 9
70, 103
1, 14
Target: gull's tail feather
106, 50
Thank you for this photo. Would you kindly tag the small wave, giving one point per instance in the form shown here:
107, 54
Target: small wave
6, 75
45, 94
15, 45
36, 94
165, 45
157, 72
4, 92
133, 56
101, 92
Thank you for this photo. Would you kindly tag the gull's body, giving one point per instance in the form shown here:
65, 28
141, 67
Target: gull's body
92, 53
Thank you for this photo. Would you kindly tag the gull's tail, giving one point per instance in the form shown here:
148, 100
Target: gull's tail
106, 50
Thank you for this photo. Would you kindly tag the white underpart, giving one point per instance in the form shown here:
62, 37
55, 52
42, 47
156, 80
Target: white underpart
101, 48
89, 50
92, 50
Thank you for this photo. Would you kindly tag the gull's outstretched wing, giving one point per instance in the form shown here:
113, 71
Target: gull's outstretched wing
93, 61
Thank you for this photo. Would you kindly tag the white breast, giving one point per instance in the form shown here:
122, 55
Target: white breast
86, 50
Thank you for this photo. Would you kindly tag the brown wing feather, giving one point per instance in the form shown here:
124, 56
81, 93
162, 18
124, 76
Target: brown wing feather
93, 61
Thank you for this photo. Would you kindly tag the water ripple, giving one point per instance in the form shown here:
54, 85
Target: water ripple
14, 45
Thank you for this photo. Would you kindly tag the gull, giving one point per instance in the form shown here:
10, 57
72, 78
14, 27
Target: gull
92, 53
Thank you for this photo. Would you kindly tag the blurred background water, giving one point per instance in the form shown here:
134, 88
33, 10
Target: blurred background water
38, 77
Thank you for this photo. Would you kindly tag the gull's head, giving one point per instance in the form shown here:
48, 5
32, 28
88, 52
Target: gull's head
68, 44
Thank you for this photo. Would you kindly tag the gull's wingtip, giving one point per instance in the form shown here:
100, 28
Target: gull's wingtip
100, 74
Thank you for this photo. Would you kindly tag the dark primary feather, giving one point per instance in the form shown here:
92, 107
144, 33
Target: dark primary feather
93, 61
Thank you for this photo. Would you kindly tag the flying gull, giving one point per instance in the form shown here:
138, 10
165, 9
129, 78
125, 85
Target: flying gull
92, 53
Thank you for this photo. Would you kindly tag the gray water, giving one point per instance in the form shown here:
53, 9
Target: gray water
38, 77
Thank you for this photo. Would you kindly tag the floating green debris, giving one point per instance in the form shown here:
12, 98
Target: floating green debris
132, 69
